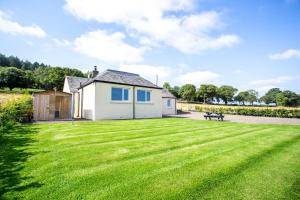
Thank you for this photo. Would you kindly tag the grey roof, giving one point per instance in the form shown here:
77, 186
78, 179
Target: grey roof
167, 94
119, 77
74, 82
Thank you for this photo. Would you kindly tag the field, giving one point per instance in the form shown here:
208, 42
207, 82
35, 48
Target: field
4, 97
151, 159
6, 94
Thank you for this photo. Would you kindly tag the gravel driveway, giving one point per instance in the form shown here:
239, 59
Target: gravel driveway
243, 119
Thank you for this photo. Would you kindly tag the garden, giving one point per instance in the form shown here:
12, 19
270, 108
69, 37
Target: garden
150, 159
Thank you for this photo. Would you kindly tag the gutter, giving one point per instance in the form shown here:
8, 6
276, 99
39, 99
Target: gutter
133, 102
81, 86
81, 103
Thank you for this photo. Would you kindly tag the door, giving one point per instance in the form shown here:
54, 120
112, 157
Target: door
58, 107
41, 106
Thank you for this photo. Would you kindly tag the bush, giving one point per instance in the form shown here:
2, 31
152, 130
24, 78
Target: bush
252, 111
18, 110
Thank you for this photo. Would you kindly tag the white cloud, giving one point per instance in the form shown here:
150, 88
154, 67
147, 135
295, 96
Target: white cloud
189, 33
61, 43
9, 26
265, 88
198, 77
148, 71
272, 81
264, 85
290, 53
123, 11
109, 47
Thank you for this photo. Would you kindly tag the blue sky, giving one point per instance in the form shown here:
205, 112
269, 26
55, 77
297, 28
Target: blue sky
247, 44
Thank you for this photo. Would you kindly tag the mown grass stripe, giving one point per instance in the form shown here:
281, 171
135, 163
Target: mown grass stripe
169, 161
215, 181
182, 146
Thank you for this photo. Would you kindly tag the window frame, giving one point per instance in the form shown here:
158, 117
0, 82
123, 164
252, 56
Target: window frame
146, 96
123, 94
169, 103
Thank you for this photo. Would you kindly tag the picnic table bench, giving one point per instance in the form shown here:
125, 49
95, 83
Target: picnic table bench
210, 115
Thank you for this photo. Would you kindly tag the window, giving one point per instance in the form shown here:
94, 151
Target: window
143, 96
169, 102
119, 94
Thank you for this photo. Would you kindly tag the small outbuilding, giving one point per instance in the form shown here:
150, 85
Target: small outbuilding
51, 105
168, 103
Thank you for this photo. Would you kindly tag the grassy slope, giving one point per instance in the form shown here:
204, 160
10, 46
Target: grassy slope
153, 159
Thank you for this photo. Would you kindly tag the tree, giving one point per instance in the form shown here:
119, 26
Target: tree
4, 62
14, 62
207, 92
287, 98
226, 93
175, 91
29, 79
241, 97
167, 86
188, 92
270, 96
51, 77
281, 100
252, 96
26, 65
11, 77
35, 65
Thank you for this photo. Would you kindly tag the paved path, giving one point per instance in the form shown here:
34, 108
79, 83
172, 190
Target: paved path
243, 119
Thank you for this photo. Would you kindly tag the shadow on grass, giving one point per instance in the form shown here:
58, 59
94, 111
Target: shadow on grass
14, 144
204, 187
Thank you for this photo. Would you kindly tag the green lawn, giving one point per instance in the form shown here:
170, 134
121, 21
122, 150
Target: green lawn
151, 159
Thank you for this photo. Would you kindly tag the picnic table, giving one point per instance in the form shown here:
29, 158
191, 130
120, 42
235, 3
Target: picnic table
210, 115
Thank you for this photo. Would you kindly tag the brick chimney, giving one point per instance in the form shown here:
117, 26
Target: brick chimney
95, 72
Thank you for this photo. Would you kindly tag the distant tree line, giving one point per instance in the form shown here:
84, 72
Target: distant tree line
16, 73
211, 94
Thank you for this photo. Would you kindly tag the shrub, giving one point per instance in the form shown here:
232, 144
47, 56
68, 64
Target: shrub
288, 112
252, 111
20, 90
17, 110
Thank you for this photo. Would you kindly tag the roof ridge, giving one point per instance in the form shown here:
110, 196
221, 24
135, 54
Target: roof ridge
121, 77
118, 71
76, 77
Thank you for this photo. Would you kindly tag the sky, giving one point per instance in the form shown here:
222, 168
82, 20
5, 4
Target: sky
246, 44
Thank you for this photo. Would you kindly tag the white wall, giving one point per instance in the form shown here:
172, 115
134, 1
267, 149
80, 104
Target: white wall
88, 103
66, 86
169, 110
152, 109
105, 108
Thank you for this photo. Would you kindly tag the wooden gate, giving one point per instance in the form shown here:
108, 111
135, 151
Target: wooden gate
41, 107
51, 105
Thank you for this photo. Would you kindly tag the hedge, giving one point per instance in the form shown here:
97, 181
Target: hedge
252, 111
20, 90
17, 110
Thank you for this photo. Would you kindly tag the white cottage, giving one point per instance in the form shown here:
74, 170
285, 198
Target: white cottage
169, 103
115, 95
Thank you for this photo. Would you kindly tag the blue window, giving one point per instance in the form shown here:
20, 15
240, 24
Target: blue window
143, 96
169, 102
125, 94
119, 94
